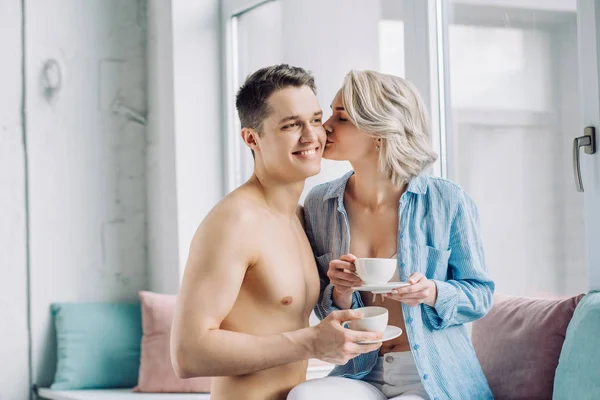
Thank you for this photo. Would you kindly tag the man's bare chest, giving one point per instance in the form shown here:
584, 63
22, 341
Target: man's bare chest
285, 273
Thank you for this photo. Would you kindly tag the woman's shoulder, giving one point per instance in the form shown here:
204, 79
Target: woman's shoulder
317, 193
325, 191
446, 191
443, 184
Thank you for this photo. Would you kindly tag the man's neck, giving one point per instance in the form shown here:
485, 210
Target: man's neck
282, 197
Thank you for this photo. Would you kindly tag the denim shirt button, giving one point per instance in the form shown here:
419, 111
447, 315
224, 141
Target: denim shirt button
402, 265
409, 320
425, 376
401, 235
416, 347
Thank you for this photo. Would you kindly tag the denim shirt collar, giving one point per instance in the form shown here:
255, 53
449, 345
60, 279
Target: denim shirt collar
417, 185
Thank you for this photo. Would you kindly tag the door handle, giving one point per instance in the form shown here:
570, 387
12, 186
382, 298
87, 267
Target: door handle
588, 142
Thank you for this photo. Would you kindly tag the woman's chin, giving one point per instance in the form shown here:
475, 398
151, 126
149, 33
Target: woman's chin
334, 158
329, 154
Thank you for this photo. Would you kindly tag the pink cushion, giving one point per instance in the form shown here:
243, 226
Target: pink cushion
518, 344
156, 371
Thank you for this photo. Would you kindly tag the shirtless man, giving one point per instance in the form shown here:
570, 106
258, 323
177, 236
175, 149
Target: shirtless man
251, 280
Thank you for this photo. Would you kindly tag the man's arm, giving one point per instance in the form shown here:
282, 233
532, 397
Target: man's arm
220, 253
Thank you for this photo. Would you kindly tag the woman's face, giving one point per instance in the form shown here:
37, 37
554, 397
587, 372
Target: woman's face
344, 140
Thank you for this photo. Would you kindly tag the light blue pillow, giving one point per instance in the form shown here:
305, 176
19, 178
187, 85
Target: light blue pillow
578, 372
98, 345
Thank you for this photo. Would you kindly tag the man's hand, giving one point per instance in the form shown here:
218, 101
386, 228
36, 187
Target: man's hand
335, 344
421, 290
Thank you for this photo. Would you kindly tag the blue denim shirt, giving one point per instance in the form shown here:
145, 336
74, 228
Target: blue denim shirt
438, 235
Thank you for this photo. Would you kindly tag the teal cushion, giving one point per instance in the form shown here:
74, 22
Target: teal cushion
578, 372
98, 345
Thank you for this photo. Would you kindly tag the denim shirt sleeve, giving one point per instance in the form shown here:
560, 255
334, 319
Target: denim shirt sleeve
325, 304
315, 223
467, 294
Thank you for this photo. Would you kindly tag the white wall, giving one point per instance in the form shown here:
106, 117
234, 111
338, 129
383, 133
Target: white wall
185, 164
197, 101
14, 375
87, 165
93, 174
163, 244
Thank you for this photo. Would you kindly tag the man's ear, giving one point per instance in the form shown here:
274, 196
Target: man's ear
250, 138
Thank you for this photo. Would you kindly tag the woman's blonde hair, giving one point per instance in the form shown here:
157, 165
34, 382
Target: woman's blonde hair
390, 108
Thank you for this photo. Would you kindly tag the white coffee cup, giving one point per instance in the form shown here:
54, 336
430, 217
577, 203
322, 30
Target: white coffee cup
375, 270
375, 319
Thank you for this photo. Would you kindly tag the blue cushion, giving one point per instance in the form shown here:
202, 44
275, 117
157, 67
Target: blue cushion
98, 345
578, 372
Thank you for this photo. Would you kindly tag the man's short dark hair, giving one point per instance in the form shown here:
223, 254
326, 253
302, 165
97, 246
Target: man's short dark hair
251, 98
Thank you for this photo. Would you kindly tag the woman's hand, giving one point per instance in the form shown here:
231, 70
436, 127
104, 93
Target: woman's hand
342, 274
421, 290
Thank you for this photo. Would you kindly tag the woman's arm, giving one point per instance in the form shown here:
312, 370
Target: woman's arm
467, 295
329, 302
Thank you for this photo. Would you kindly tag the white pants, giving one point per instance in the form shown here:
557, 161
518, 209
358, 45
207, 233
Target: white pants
395, 376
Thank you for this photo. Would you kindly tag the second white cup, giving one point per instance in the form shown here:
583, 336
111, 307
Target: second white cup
375, 319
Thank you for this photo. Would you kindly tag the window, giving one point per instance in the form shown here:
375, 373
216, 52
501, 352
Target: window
507, 83
257, 44
513, 110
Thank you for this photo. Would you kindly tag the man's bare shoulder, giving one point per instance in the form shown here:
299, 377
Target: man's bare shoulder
240, 210
228, 234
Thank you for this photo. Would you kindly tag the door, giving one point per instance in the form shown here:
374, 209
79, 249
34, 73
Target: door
509, 85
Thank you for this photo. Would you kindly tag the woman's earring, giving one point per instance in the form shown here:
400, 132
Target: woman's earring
377, 148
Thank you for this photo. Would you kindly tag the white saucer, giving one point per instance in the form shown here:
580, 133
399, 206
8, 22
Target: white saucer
379, 288
391, 332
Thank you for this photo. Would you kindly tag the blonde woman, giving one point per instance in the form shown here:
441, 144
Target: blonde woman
389, 207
